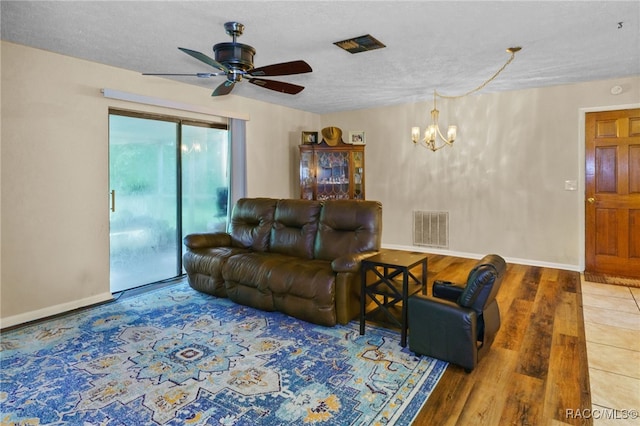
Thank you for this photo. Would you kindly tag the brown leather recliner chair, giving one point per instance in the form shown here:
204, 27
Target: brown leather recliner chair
459, 323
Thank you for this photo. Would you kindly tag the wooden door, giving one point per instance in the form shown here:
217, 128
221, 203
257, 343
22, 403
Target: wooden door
612, 205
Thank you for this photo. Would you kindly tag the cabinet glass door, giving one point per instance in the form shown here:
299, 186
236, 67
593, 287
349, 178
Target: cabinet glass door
333, 175
307, 175
358, 175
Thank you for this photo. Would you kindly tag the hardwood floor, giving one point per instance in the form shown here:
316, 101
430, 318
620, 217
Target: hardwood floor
536, 371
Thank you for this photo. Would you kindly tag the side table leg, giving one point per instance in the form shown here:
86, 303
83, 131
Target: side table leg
363, 297
405, 302
424, 277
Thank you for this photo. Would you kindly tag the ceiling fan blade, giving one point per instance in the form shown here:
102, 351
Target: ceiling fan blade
278, 86
284, 68
198, 74
224, 88
204, 58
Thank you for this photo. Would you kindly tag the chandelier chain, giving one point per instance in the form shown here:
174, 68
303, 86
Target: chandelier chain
432, 133
512, 50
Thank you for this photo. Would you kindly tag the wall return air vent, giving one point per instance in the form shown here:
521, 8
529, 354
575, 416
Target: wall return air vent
360, 44
431, 229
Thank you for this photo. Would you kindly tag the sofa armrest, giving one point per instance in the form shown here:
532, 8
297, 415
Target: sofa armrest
446, 290
205, 240
350, 262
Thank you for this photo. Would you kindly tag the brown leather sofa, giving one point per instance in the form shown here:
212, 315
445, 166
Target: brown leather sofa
299, 257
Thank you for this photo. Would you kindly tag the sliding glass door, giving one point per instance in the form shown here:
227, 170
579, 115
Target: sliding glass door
205, 178
167, 178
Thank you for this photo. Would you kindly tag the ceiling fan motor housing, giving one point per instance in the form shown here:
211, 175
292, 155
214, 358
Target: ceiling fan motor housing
235, 55
235, 60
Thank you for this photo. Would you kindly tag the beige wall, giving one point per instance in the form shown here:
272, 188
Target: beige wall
55, 218
502, 182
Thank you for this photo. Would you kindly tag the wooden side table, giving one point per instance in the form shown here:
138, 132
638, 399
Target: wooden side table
394, 283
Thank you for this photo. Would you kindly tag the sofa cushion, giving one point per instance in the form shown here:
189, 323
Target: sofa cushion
304, 290
348, 226
308, 280
204, 263
245, 277
294, 228
273, 281
251, 222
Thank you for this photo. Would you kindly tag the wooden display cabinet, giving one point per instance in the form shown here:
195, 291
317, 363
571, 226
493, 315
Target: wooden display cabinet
331, 172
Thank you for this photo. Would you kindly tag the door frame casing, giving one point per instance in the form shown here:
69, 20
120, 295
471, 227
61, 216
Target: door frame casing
582, 122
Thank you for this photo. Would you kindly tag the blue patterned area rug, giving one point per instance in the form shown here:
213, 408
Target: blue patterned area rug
174, 356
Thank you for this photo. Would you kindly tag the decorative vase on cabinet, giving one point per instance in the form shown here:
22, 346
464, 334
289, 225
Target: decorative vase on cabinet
331, 172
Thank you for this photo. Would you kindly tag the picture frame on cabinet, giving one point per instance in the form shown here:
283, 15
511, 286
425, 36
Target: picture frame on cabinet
357, 137
309, 137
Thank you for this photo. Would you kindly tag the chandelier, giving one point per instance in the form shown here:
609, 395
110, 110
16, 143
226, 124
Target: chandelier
432, 132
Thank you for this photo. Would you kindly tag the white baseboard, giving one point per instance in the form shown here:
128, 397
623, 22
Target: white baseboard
53, 310
444, 252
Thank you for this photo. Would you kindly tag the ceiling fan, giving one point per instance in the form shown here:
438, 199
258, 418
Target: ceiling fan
235, 60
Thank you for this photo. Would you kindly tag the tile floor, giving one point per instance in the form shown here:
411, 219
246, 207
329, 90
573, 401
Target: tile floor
612, 328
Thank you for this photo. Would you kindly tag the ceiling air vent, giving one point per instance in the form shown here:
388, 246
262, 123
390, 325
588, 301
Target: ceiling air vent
360, 44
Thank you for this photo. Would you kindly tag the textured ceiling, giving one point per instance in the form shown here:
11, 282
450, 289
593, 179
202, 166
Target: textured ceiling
449, 46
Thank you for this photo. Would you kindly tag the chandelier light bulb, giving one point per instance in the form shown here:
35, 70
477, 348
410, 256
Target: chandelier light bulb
430, 133
452, 133
415, 134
